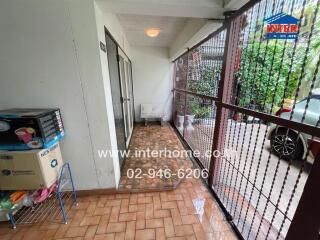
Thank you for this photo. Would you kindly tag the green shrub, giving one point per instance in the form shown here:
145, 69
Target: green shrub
207, 85
264, 76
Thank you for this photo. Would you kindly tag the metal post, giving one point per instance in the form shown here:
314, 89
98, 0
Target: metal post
218, 130
61, 205
173, 111
186, 95
306, 222
12, 220
74, 193
225, 86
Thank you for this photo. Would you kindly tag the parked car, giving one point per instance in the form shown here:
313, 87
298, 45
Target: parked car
290, 144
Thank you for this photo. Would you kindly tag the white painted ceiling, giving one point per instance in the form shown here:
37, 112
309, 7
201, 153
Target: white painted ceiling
135, 25
170, 16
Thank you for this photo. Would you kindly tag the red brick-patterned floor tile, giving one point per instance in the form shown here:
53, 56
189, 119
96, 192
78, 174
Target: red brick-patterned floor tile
146, 234
90, 220
116, 227
154, 223
76, 231
153, 137
109, 236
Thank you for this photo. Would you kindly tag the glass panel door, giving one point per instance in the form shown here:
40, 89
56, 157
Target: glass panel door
130, 92
126, 92
116, 95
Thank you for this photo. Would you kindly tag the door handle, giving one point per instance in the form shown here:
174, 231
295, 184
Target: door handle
124, 99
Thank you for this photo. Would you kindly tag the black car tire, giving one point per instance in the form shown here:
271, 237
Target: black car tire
294, 149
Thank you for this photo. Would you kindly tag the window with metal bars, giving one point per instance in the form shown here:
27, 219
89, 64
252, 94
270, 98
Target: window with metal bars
256, 100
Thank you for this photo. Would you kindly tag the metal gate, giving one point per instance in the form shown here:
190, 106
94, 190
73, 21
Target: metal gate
247, 99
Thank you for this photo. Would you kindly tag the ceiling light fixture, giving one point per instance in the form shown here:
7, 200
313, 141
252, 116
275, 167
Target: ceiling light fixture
152, 32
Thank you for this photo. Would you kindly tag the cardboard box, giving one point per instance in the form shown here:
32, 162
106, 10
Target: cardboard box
28, 170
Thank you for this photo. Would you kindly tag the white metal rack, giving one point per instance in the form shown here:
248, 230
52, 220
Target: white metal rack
54, 208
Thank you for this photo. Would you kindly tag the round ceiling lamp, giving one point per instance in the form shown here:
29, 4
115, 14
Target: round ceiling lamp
152, 32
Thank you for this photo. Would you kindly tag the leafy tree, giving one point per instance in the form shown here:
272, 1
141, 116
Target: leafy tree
207, 85
265, 77
208, 82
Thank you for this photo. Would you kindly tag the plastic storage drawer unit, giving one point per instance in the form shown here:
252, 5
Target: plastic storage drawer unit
24, 129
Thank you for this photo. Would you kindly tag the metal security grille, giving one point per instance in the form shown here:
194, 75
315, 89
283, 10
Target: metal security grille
256, 100
199, 73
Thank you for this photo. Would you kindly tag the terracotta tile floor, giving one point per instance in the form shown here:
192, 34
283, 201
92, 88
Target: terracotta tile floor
153, 137
187, 212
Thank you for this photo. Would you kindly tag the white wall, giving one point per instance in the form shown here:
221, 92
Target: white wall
234, 4
111, 22
194, 31
179, 45
152, 78
49, 57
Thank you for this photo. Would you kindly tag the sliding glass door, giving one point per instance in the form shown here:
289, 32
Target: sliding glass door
126, 92
112, 53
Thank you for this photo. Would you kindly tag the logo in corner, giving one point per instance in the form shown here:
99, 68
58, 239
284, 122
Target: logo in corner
54, 163
282, 26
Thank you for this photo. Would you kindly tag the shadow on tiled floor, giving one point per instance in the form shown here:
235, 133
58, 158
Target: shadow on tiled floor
150, 170
186, 212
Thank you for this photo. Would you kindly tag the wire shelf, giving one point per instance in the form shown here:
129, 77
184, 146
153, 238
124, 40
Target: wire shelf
54, 209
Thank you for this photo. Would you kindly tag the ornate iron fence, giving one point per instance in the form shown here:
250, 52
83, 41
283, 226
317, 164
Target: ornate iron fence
250, 91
